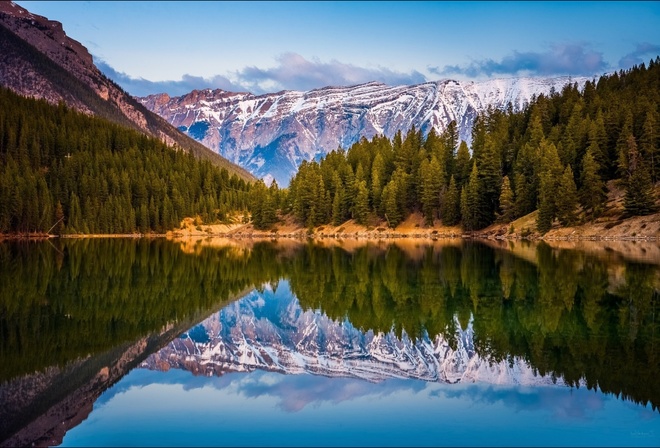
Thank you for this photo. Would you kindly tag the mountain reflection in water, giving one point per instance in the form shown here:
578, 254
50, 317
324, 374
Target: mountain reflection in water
406, 314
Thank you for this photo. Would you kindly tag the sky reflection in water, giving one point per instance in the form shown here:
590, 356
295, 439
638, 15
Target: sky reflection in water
263, 408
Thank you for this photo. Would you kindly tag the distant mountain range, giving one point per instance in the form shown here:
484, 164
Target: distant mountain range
271, 134
38, 59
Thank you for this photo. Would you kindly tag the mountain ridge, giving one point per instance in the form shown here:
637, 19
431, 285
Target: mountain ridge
271, 134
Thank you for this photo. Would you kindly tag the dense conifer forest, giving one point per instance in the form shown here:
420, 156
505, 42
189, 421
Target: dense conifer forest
555, 156
65, 172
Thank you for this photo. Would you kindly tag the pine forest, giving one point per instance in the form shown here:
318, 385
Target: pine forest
556, 156
64, 172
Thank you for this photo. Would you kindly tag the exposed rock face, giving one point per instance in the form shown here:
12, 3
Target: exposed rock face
49, 38
272, 134
38, 59
273, 333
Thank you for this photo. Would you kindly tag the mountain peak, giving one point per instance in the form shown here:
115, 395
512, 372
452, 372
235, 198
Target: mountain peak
271, 134
46, 35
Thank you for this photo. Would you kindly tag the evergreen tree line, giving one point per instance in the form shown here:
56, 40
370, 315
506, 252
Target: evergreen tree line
557, 155
66, 172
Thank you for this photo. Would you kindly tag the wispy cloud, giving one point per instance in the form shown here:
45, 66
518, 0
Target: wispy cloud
297, 73
642, 51
291, 72
564, 59
143, 87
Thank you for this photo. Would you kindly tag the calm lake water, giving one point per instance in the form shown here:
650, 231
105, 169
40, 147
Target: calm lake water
289, 343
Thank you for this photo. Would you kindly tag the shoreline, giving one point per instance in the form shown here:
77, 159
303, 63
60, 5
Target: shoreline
612, 228
336, 236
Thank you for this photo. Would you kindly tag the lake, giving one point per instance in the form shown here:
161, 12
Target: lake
151, 342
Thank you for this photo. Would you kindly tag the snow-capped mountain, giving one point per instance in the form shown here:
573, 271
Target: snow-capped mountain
272, 332
271, 134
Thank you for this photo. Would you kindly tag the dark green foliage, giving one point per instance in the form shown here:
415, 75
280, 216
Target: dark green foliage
506, 203
560, 312
99, 177
592, 194
531, 148
451, 205
640, 197
361, 207
432, 178
463, 165
567, 200
551, 171
263, 204
470, 201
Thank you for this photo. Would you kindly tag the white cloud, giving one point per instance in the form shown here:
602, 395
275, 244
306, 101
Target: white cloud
560, 59
292, 72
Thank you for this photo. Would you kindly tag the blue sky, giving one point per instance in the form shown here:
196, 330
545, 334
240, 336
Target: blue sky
175, 47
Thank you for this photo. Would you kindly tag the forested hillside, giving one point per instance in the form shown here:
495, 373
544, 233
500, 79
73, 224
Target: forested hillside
38, 60
65, 172
555, 156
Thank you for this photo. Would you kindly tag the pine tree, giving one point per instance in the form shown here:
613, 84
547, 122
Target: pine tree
59, 219
649, 141
361, 208
639, 199
527, 168
551, 172
463, 164
622, 146
592, 193
566, 200
337, 217
523, 201
451, 205
506, 203
598, 143
377, 181
450, 143
432, 177
393, 212
573, 136
470, 201
547, 209
490, 178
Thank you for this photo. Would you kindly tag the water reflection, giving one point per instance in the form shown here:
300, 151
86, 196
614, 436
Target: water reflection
270, 331
76, 316
255, 409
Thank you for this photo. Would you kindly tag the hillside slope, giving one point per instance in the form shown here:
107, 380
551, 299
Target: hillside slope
38, 59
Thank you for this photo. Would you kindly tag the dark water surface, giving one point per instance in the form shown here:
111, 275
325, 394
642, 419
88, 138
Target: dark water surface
150, 342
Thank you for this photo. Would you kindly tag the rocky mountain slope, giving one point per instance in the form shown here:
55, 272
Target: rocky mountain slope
38, 59
271, 332
271, 134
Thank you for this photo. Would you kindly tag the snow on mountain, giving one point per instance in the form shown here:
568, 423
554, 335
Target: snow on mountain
271, 134
272, 332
